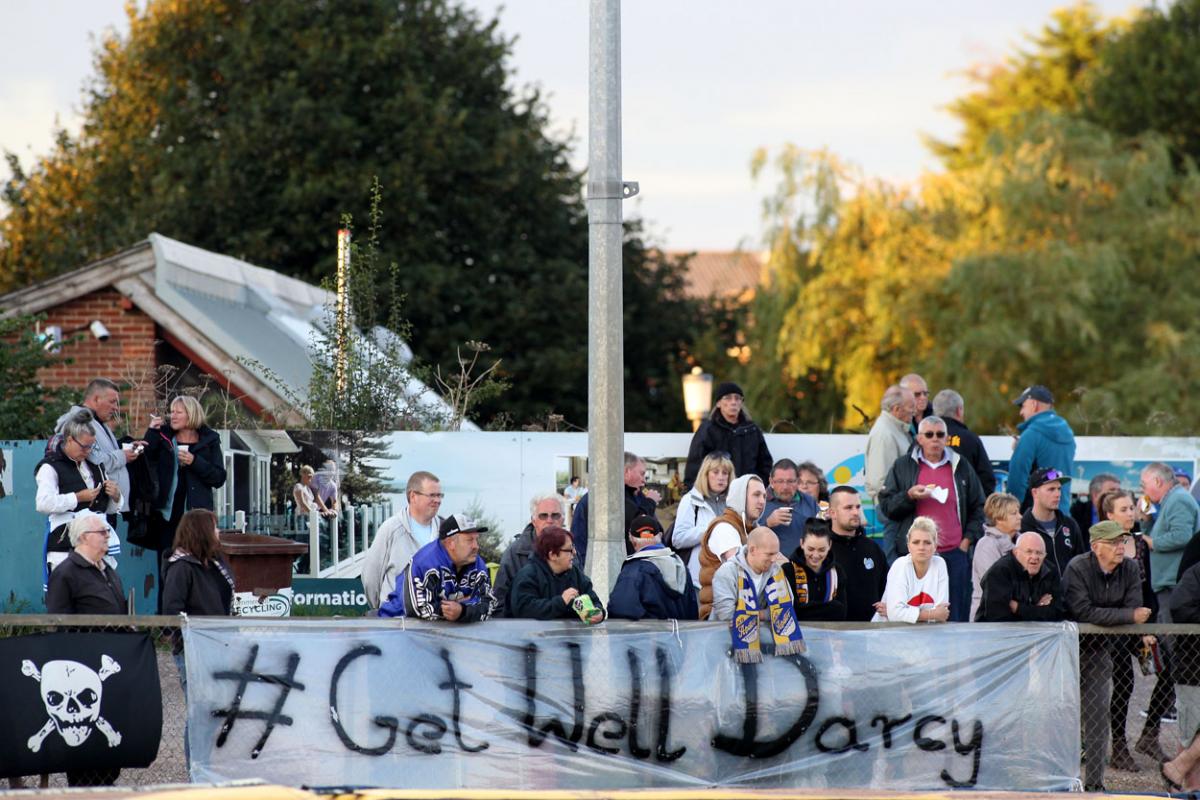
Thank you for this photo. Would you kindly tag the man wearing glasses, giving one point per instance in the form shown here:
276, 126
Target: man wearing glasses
936, 482
920, 390
102, 400
545, 510
1058, 529
1101, 588
67, 483
787, 508
402, 535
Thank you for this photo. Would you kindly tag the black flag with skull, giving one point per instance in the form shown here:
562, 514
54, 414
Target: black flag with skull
78, 701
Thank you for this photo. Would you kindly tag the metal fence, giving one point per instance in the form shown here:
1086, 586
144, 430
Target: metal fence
1136, 723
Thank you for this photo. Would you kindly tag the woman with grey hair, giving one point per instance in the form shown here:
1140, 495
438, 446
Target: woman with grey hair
84, 583
68, 484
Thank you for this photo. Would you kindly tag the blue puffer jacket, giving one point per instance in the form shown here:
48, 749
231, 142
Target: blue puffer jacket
1046, 441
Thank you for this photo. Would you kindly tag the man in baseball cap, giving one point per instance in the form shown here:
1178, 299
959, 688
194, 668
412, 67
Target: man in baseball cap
1061, 533
446, 579
1046, 440
654, 582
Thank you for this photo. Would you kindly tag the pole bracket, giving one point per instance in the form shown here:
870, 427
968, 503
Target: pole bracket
612, 190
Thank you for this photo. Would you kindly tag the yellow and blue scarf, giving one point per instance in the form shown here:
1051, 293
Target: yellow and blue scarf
785, 630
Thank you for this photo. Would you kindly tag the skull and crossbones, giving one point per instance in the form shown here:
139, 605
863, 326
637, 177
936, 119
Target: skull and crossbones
71, 693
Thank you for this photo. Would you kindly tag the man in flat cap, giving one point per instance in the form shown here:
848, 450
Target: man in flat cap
1101, 588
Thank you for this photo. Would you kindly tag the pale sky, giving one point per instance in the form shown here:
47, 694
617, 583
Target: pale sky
705, 83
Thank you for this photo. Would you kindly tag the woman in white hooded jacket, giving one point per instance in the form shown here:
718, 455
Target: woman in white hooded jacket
700, 506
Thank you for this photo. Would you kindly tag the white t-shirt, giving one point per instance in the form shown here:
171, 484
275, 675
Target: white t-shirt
906, 594
724, 537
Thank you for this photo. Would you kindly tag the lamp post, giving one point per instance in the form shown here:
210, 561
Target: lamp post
697, 395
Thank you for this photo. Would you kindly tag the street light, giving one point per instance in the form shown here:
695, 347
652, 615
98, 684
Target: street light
697, 395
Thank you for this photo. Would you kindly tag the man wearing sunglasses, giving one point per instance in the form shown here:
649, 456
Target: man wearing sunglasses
545, 510
936, 482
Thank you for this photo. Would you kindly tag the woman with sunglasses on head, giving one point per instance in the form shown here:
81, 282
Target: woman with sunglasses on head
548, 586
67, 484
703, 503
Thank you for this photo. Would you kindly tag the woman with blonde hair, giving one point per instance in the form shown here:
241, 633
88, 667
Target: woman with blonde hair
699, 507
918, 586
305, 498
1002, 515
186, 457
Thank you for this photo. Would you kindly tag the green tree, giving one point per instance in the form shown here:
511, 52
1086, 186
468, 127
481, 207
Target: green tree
28, 410
1053, 74
1148, 78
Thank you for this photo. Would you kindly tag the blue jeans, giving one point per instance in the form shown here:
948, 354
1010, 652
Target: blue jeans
958, 569
891, 529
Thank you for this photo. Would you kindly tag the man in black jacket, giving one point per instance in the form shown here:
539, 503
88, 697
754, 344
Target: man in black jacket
859, 559
1020, 586
729, 429
1061, 534
948, 404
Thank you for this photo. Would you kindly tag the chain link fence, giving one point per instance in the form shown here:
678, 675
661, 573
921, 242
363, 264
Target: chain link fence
1130, 717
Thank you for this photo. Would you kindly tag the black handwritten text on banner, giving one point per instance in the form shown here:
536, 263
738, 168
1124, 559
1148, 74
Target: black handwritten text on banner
514, 704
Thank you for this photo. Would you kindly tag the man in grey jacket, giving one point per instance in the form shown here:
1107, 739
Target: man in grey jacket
1101, 588
544, 510
757, 558
890, 438
102, 400
402, 535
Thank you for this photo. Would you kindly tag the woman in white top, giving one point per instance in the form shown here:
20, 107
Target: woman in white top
306, 499
699, 507
918, 588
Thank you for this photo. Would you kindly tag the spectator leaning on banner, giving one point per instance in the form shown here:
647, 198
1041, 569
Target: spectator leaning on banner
1045, 515
859, 559
729, 429
1101, 588
1046, 440
402, 535
653, 583
545, 511
549, 585
1021, 586
933, 481
446, 579
817, 584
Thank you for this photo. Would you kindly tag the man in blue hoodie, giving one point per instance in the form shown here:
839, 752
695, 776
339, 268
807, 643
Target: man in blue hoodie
654, 583
1046, 441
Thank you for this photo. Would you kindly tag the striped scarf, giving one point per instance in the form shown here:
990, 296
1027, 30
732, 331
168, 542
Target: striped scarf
802, 593
785, 630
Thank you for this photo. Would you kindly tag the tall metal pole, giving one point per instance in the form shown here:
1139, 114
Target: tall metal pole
606, 407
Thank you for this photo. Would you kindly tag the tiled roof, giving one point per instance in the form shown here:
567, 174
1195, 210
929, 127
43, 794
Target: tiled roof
721, 273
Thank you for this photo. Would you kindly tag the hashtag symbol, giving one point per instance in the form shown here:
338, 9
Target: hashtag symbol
286, 682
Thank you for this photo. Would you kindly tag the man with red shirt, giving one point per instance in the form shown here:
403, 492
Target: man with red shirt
934, 481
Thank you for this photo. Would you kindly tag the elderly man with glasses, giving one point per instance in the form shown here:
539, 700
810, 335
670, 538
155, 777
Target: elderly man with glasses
68, 483
545, 511
1101, 588
936, 482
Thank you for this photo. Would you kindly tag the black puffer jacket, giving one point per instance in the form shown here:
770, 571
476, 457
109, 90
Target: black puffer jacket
537, 592
743, 440
207, 471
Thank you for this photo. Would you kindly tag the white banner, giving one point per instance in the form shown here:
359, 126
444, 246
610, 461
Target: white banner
515, 704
